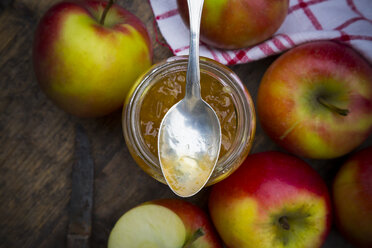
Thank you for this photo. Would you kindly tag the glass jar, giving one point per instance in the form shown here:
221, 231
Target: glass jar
244, 110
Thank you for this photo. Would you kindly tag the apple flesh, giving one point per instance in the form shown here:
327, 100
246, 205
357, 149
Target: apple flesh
316, 100
237, 24
352, 197
148, 226
83, 66
164, 223
272, 200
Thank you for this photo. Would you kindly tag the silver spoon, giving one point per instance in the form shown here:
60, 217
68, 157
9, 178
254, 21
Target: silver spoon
190, 134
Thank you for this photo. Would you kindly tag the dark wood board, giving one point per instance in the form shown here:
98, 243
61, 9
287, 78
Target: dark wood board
37, 144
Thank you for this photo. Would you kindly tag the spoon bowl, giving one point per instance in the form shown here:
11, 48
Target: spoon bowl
189, 146
190, 134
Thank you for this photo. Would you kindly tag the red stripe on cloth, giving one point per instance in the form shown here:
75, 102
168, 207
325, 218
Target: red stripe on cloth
167, 14
226, 56
181, 49
266, 49
234, 61
279, 44
156, 33
215, 57
348, 22
360, 37
288, 39
239, 55
157, 38
298, 6
345, 37
242, 55
353, 7
310, 15
229, 60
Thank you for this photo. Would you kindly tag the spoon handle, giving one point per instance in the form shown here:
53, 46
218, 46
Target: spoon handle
193, 69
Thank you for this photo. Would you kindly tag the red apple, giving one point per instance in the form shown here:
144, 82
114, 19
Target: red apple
272, 200
240, 23
86, 67
316, 100
352, 196
165, 223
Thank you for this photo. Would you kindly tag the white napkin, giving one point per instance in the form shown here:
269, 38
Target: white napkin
349, 21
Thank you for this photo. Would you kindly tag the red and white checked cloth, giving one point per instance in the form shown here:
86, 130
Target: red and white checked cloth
349, 21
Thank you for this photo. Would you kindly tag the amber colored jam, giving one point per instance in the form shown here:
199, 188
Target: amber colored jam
170, 89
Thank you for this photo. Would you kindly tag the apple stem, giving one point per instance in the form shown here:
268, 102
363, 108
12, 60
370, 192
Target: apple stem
283, 221
340, 111
103, 17
197, 234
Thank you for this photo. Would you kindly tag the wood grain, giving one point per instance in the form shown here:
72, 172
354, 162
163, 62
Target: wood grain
37, 144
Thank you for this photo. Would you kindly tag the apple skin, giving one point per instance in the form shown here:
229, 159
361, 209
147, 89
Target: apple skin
288, 106
238, 24
247, 206
193, 218
352, 198
84, 67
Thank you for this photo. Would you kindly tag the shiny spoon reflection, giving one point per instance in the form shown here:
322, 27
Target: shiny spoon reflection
190, 134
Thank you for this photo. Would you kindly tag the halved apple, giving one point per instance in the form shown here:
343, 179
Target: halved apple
165, 223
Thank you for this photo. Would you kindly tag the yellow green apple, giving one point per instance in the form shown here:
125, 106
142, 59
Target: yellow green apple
86, 61
352, 198
240, 23
273, 200
164, 223
316, 100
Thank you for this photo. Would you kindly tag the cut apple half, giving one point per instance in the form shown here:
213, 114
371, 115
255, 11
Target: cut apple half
148, 226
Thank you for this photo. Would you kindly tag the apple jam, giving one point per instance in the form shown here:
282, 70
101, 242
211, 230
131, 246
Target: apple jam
162, 86
170, 89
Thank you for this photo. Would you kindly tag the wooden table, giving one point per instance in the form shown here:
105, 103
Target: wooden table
37, 144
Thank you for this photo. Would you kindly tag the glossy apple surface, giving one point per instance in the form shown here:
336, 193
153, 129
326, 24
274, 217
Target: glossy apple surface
240, 23
352, 197
165, 223
272, 200
84, 67
316, 100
